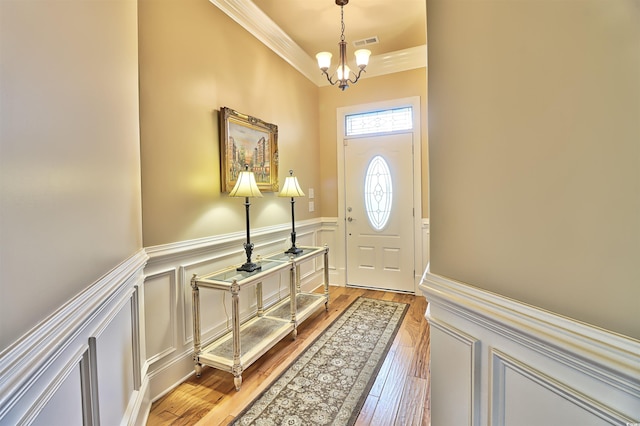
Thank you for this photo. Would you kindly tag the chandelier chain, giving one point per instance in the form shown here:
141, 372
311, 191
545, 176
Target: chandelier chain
342, 21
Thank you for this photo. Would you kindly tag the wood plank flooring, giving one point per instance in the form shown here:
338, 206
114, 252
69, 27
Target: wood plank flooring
400, 395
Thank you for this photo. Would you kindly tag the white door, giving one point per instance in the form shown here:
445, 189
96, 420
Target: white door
379, 211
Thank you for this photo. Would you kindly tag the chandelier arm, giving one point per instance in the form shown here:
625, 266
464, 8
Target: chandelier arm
326, 74
357, 76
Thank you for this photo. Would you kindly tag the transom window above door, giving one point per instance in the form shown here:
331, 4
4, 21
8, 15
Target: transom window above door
383, 121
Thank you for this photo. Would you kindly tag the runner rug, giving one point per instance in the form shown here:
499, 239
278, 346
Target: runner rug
329, 382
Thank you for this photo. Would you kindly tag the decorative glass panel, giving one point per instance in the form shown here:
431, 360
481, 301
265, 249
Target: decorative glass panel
389, 120
378, 192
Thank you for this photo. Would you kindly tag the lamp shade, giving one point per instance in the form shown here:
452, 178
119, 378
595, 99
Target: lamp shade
246, 186
291, 188
324, 60
362, 57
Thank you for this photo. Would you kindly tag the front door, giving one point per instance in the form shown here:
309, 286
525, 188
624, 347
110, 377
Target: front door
379, 211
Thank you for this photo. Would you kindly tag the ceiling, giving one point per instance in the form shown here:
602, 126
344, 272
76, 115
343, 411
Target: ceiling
315, 24
298, 29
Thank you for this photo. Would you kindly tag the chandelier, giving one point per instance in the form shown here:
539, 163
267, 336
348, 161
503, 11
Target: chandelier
343, 73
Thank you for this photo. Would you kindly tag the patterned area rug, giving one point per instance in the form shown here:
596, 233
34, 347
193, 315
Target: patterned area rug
329, 382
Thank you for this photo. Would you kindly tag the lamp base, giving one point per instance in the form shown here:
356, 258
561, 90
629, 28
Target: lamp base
294, 250
249, 267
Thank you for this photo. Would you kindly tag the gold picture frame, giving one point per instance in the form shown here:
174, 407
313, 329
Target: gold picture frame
246, 140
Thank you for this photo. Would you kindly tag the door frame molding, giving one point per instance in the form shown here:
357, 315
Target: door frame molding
414, 102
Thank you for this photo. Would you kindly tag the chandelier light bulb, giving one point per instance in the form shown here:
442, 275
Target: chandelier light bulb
343, 73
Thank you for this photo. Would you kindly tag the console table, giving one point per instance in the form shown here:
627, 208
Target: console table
245, 343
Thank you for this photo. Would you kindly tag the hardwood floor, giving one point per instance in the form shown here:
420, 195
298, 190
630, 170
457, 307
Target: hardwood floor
400, 395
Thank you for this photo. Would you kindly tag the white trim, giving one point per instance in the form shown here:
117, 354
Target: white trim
414, 103
170, 375
593, 368
392, 62
256, 22
228, 241
43, 398
172, 275
474, 364
500, 362
593, 351
425, 236
52, 336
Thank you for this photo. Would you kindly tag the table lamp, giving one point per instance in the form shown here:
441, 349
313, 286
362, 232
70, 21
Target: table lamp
246, 187
292, 189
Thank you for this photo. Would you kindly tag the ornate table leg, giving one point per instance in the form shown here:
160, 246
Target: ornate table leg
259, 301
326, 277
293, 301
235, 313
195, 311
237, 376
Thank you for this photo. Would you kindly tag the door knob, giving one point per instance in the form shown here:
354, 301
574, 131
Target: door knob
350, 219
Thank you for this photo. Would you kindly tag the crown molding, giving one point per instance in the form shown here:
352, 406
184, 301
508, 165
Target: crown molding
400, 60
256, 22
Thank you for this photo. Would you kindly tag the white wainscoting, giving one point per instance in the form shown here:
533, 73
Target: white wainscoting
125, 341
82, 364
495, 361
167, 291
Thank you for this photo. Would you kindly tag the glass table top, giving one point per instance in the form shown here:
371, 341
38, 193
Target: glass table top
231, 274
285, 257
269, 264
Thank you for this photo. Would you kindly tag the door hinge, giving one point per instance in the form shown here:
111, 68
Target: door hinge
345, 142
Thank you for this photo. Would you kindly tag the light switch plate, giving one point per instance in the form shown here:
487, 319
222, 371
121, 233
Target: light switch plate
311, 193
311, 206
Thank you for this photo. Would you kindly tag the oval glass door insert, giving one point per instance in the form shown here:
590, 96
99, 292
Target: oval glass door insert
378, 192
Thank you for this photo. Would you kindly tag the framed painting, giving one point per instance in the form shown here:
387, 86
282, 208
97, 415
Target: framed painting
246, 140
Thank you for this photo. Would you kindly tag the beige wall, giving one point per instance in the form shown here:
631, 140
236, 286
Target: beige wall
535, 153
194, 60
69, 152
374, 89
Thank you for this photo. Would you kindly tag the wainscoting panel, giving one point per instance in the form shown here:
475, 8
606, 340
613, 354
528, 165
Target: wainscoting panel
114, 358
56, 403
533, 367
460, 385
328, 234
516, 384
160, 314
55, 375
